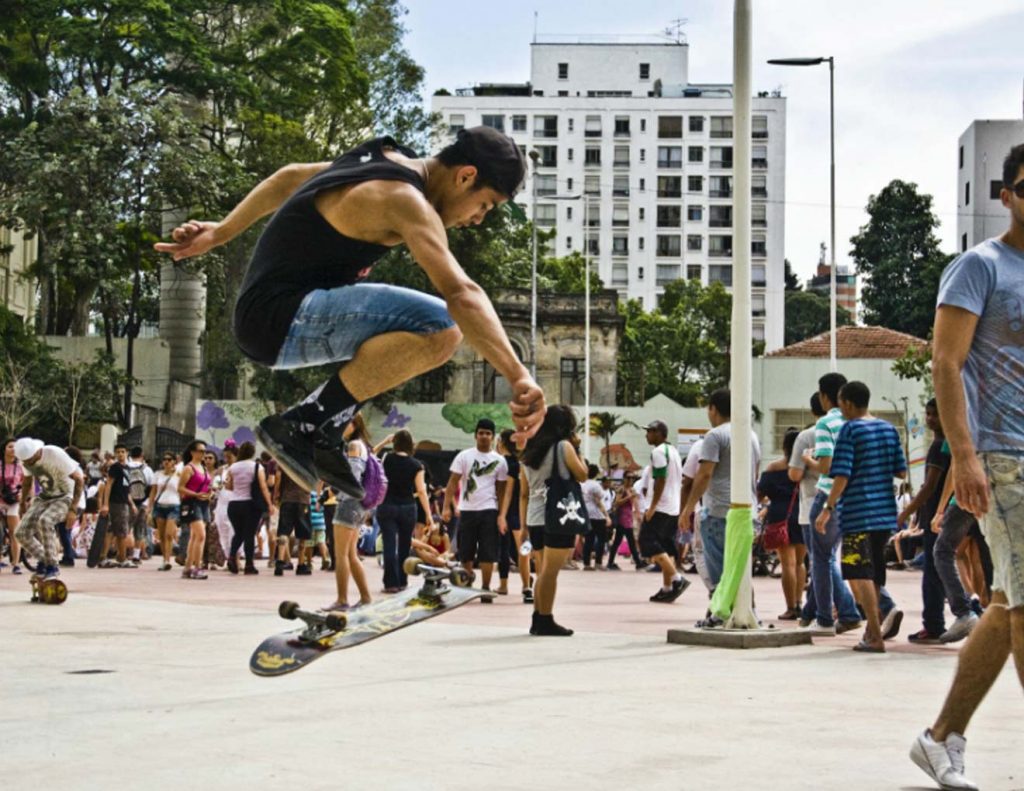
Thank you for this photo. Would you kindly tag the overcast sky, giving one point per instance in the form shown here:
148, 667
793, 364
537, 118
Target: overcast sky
911, 75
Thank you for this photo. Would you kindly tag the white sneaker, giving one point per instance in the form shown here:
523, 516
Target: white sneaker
127, 564
817, 630
943, 762
961, 627
109, 563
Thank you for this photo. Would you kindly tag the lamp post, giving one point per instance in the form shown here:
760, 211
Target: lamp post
534, 156
832, 182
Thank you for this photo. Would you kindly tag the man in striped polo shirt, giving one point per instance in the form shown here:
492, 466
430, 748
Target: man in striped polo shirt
824, 547
867, 457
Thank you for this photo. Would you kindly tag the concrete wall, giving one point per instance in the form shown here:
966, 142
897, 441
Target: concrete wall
606, 67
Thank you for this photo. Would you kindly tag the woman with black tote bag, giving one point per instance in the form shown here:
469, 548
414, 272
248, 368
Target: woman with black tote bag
551, 506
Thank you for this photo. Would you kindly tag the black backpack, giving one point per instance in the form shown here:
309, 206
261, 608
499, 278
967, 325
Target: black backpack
256, 491
564, 511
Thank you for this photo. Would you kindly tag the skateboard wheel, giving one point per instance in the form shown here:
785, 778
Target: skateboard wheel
462, 578
53, 592
411, 566
288, 610
335, 622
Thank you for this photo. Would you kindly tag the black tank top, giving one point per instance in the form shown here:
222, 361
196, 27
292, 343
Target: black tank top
299, 251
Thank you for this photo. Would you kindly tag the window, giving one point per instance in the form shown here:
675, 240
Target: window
456, 123
645, 71
563, 93
546, 215
494, 121
568, 243
721, 156
568, 212
759, 127
621, 156
758, 275
568, 154
546, 185
593, 126
593, 245
592, 185
670, 246
670, 186
693, 271
967, 194
592, 156
720, 216
720, 186
961, 157
720, 273
545, 126
721, 126
518, 123
695, 213
670, 126
759, 186
563, 71
548, 156
667, 273
620, 186
640, 245
620, 274
570, 123
592, 215
694, 243
568, 183
963, 243
694, 183
643, 154
696, 123
620, 245
757, 332
720, 246
994, 188
759, 215
622, 126
759, 247
759, 157
695, 154
573, 380
643, 124
670, 216
757, 304
643, 184
641, 212
640, 270
670, 157
620, 215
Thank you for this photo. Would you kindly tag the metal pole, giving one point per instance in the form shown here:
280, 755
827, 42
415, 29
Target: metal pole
586, 328
832, 208
533, 272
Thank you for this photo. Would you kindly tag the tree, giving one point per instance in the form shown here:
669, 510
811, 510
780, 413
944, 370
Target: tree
808, 314
792, 281
916, 364
898, 253
604, 425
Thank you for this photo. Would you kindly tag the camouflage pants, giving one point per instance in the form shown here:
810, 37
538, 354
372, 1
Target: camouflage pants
37, 531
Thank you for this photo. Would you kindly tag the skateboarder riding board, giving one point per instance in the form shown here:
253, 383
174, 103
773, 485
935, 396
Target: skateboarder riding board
301, 303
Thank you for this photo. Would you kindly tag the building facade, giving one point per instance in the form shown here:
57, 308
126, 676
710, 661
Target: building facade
846, 285
17, 290
981, 150
634, 167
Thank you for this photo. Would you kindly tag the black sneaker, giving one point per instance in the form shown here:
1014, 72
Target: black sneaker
662, 596
331, 464
303, 570
924, 637
279, 569
614, 567
678, 586
292, 447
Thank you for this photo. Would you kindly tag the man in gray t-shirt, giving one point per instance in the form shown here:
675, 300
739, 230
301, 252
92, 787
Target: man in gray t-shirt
978, 368
713, 478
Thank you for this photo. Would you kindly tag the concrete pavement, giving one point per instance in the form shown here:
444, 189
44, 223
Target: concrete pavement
466, 699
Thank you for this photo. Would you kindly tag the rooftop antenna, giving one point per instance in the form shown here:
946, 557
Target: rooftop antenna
674, 30
535, 15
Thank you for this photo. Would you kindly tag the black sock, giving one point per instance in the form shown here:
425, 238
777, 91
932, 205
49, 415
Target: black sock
330, 402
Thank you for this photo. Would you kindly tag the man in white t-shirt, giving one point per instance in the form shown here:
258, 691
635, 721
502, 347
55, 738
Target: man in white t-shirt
481, 472
658, 531
599, 515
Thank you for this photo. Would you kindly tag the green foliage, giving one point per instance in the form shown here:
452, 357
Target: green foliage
808, 314
604, 425
465, 416
792, 281
899, 254
916, 364
681, 349
565, 275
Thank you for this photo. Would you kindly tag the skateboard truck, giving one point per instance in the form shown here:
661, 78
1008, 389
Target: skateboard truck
434, 577
318, 625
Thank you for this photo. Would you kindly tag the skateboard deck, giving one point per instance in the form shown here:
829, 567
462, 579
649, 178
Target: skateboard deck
99, 537
443, 589
52, 591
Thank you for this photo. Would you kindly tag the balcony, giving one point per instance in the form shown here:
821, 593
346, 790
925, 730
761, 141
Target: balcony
620, 223
592, 133
721, 164
713, 223
759, 134
667, 273
672, 193
759, 164
621, 163
720, 193
670, 164
759, 192
759, 223
620, 192
721, 134
725, 252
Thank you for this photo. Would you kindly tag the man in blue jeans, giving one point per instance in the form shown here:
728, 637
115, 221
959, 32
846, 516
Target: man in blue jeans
301, 303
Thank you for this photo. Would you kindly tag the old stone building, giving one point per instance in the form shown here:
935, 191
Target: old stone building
560, 349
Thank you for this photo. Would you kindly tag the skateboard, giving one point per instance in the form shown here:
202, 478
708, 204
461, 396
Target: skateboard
51, 591
443, 589
99, 538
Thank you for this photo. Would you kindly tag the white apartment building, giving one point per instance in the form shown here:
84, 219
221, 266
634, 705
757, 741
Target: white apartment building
635, 162
982, 148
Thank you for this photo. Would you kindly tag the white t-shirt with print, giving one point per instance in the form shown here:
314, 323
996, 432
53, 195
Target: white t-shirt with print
480, 473
53, 473
665, 463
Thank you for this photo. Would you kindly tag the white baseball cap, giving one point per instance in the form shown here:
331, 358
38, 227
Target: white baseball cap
26, 447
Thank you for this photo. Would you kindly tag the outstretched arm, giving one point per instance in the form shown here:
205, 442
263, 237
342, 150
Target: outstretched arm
195, 238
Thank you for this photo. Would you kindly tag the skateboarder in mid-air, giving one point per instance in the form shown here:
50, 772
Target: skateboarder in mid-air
301, 303
60, 482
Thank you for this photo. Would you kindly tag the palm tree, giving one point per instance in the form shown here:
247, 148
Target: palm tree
604, 425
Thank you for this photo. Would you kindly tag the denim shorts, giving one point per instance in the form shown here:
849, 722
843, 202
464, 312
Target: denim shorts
331, 324
1003, 525
166, 511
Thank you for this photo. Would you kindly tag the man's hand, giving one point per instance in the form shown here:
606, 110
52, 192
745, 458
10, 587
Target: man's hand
821, 523
191, 239
684, 520
607, 521
528, 409
502, 525
446, 514
971, 486
649, 514
937, 520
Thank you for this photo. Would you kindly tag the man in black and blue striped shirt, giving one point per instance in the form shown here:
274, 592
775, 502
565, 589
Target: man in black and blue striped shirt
868, 455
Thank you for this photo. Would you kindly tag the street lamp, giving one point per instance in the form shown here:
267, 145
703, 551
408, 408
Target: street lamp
832, 178
586, 315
